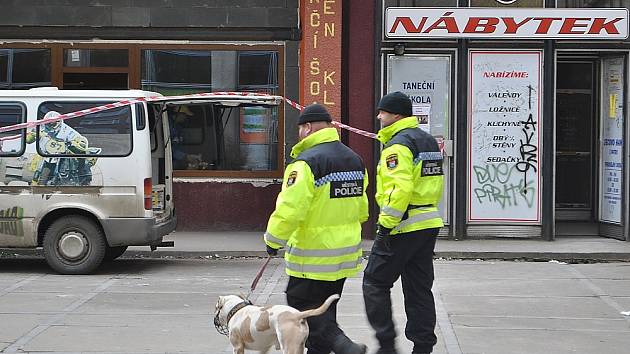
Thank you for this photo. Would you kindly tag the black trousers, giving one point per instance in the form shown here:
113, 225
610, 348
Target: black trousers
409, 256
306, 294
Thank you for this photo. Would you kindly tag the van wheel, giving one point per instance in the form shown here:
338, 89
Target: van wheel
114, 252
74, 245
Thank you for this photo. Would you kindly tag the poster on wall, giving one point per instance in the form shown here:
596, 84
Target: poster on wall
611, 165
504, 127
427, 81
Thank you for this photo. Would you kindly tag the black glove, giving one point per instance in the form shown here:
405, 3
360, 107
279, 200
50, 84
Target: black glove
272, 251
382, 231
382, 237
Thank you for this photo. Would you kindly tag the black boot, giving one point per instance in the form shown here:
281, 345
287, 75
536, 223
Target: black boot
343, 345
387, 351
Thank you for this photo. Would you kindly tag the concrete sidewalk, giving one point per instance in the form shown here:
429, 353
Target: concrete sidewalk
240, 244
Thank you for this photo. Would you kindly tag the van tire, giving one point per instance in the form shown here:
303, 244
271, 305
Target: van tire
74, 245
114, 252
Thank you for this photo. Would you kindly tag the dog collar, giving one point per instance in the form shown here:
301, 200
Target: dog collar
236, 309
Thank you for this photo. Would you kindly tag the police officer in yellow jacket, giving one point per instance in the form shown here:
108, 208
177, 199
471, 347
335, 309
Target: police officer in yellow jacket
408, 188
318, 220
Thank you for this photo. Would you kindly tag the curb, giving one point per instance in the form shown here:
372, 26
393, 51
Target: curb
570, 257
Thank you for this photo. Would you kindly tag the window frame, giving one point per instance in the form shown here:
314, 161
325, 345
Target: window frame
280, 49
96, 103
22, 132
11, 48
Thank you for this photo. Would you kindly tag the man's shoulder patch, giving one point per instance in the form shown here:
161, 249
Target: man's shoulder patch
291, 179
392, 161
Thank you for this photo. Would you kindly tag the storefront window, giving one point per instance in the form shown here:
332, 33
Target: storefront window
24, 68
4, 67
211, 136
592, 3
257, 71
174, 72
95, 57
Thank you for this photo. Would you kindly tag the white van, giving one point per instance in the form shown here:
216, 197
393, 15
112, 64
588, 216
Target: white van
85, 188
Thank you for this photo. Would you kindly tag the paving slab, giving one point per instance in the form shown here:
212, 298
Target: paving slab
574, 323
156, 305
501, 341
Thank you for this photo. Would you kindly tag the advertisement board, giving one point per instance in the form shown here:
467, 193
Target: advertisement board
427, 81
504, 142
612, 146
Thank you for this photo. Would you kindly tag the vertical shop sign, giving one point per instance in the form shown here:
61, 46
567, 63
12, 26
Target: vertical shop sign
611, 169
504, 136
321, 54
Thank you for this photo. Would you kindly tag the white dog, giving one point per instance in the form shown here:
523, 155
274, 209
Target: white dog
259, 328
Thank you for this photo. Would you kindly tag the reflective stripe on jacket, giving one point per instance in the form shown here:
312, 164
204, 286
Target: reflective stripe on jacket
410, 178
320, 209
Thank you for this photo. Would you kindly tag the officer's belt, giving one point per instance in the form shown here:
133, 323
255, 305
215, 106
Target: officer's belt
412, 207
403, 215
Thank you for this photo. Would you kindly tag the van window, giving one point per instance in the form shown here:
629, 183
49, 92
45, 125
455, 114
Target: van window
141, 120
106, 133
10, 114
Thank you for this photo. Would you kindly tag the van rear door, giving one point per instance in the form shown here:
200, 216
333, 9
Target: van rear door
161, 165
162, 137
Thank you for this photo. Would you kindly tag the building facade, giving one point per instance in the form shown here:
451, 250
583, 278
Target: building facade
228, 165
529, 99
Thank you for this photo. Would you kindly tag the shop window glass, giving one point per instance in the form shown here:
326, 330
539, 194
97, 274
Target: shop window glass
175, 72
11, 142
4, 67
24, 68
252, 75
592, 3
106, 133
95, 57
210, 136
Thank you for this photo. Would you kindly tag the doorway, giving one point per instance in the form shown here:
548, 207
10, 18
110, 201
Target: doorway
576, 112
590, 167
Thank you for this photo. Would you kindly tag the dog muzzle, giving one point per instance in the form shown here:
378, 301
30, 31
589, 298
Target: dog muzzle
222, 328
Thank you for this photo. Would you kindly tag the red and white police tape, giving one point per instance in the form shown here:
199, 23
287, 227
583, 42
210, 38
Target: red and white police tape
339, 124
123, 103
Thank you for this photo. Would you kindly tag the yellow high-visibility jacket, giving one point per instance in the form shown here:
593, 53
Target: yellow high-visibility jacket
320, 209
410, 178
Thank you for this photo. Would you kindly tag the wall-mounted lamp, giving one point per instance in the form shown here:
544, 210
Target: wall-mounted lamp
399, 49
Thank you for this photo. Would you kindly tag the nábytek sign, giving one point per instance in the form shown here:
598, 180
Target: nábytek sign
498, 23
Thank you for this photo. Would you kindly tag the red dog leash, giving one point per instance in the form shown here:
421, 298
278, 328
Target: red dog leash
257, 278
